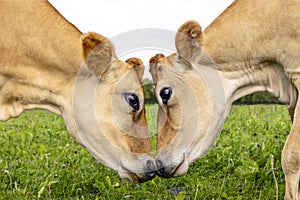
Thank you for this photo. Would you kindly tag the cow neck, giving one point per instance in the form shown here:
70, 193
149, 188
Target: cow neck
40, 57
244, 51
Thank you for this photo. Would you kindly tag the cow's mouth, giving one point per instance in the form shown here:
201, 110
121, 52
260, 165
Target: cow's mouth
129, 176
176, 169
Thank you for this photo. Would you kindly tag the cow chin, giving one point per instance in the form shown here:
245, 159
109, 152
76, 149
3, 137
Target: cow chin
182, 169
127, 176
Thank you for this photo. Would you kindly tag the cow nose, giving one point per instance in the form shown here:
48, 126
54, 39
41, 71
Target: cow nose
151, 169
161, 170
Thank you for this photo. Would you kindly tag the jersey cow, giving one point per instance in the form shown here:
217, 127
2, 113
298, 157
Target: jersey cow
47, 63
252, 46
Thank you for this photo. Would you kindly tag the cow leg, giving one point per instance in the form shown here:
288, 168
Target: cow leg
290, 158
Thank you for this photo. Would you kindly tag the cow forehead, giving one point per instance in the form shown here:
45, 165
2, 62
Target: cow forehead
120, 65
167, 61
119, 68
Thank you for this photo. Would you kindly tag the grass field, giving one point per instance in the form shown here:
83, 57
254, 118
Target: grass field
38, 159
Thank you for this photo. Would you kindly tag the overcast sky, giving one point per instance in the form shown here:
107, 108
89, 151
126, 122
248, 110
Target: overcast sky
116, 18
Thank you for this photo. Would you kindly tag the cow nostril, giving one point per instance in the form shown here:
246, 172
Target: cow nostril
150, 175
151, 165
161, 169
151, 169
159, 164
161, 172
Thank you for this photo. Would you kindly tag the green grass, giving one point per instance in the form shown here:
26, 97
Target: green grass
37, 160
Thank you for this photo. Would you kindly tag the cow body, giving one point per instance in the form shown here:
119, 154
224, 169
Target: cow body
252, 46
47, 63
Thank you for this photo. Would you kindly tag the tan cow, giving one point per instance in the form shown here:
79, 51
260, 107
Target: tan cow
47, 63
253, 46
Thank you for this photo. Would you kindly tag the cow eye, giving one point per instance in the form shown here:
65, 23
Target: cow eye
165, 94
133, 100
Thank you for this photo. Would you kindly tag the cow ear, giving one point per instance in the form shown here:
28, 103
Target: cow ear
153, 66
188, 40
98, 53
138, 65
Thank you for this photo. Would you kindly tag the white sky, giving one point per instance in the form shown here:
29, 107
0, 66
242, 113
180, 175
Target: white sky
113, 18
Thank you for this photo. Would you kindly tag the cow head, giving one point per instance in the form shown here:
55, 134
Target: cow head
108, 109
184, 90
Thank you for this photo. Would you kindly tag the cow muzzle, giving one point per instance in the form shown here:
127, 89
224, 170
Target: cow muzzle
144, 170
168, 169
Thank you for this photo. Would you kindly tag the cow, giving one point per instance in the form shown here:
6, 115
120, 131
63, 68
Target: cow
47, 63
252, 46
